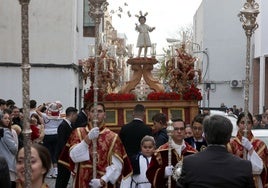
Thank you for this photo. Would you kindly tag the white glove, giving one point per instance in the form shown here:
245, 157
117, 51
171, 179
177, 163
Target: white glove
246, 143
168, 170
95, 183
93, 133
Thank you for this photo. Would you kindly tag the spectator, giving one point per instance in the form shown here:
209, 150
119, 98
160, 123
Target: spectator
132, 133
160, 132
15, 115
82, 119
257, 151
52, 120
215, 167
111, 155
64, 131
9, 145
256, 121
32, 107
264, 122
3, 105
4, 173
159, 169
197, 141
40, 165
10, 103
235, 110
17, 120
37, 127
206, 111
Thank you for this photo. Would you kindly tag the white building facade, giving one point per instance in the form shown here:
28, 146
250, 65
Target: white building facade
58, 38
222, 53
260, 62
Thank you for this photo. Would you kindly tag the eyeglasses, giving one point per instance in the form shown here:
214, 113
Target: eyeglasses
179, 128
197, 128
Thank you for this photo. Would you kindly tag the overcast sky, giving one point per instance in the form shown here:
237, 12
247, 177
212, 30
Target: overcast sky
167, 16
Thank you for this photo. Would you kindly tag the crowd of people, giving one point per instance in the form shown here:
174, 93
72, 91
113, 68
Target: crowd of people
81, 147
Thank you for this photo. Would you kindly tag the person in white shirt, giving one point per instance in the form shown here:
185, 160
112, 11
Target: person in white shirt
142, 162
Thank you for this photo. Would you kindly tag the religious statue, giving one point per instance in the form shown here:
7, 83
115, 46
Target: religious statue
143, 38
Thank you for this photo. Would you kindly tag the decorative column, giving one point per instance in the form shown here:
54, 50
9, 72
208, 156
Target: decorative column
248, 15
25, 90
96, 11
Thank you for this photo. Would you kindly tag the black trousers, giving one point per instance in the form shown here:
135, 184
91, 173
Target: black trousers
62, 177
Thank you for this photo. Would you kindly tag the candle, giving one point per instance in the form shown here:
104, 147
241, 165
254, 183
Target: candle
176, 62
91, 50
104, 65
130, 50
153, 50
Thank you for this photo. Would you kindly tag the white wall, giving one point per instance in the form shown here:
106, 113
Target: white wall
46, 85
260, 35
53, 39
219, 30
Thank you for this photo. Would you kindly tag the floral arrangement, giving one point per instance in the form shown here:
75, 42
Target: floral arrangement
120, 97
192, 93
163, 96
89, 96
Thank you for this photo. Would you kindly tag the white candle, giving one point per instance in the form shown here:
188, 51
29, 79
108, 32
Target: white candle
104, 64
91, 50
176, 62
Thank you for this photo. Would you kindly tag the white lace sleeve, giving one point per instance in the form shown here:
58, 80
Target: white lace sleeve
80, 153
113, 171
125, 182
256, 162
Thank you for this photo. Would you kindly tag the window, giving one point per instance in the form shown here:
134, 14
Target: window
88, 22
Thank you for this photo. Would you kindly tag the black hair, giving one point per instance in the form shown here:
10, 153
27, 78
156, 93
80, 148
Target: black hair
160, 118
70, 110
4, 173
176, 119
3, 102
37, 117
139, 108
32, 104
10, 102
199, 118
241, 115
99, 103
218, 129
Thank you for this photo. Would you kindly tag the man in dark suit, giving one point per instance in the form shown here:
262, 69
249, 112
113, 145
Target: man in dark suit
82, 118
215, 166
132, 133
64, 132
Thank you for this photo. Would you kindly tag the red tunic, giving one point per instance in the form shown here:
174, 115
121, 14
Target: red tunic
108, 144
156, 170
259, 146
